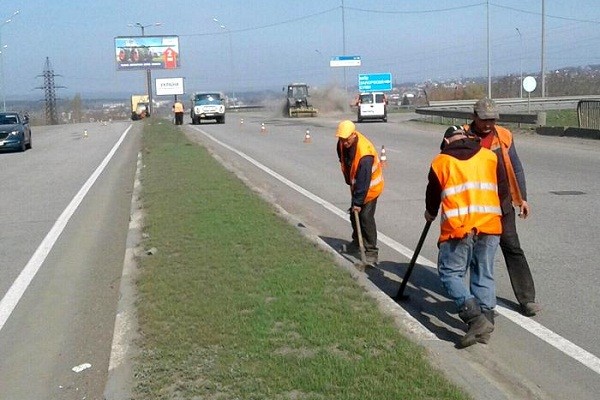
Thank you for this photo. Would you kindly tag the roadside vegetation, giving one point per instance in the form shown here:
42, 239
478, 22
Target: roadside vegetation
566, 118
236, 304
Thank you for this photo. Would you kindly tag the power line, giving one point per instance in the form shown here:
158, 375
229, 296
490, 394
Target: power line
547, 15
392, 12
255, 28
416, 12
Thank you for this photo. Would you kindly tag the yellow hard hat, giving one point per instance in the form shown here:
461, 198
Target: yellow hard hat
345, 129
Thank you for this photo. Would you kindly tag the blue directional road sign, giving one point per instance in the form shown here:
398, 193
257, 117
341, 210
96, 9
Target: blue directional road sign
345, 61
374, 82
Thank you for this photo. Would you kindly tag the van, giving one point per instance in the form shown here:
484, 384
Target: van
372, 105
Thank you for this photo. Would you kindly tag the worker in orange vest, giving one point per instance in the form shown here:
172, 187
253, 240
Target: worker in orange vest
178, 110
500, 140
465, 180
363, 172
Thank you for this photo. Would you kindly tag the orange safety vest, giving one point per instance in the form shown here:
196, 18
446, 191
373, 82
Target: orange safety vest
503, 140
178, 107
364, 148
469, 195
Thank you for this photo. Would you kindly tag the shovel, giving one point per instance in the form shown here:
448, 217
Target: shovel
401, 295
361, 245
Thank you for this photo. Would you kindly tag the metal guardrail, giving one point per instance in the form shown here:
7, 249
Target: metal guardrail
537, 103
504, 117
517, 110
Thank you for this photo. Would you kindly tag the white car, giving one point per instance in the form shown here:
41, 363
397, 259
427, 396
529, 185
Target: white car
372, 105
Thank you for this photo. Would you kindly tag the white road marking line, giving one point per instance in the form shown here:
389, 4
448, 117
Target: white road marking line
565, 346
20, 285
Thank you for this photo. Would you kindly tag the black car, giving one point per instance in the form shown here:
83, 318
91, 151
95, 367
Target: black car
15, 133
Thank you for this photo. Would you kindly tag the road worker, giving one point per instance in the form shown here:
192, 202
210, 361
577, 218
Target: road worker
363, 172
464, 179
178, 110
500, 140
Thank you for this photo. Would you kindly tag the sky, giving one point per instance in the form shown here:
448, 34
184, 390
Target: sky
265, 44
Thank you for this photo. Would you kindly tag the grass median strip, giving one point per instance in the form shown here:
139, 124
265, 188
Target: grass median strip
237, 304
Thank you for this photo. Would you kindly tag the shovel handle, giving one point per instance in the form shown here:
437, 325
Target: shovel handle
361, 245
413, 261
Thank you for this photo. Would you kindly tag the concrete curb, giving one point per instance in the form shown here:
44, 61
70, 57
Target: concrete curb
119, 383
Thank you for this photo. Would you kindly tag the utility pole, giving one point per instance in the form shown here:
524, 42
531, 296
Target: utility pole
344, 44
520, 63
488, 51
543, 51
232, 64
148, 70
50, 93
2, 47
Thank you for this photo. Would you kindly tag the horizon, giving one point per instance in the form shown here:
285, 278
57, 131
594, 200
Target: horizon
240, 47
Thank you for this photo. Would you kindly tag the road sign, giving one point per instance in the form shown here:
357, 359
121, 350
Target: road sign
529, 84
374, 82
345, 61
169, 86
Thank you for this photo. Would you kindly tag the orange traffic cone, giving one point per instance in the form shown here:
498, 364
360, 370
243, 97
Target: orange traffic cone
263, 128
383, 157
307, 138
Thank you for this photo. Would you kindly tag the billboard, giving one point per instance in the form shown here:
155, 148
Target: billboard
147, 52
169, 86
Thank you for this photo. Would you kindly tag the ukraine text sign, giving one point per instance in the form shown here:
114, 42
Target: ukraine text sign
374, 82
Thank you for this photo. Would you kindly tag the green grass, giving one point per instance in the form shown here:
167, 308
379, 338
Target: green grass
566, 118
237, 304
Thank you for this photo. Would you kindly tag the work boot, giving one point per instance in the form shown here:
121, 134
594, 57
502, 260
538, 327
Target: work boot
372, 259
484, 338
478, 324
530, 309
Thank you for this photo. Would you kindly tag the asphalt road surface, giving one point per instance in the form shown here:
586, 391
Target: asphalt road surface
65, 313
551, 356
63, 227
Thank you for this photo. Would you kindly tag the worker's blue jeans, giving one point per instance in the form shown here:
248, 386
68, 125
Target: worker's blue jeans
475, 254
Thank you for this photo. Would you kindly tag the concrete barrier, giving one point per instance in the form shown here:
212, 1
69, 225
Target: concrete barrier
568, 131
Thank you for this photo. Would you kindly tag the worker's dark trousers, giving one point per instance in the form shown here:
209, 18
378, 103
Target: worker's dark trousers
516, 263
178, 118
366, 217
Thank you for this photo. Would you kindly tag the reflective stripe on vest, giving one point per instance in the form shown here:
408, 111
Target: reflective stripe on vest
474, 209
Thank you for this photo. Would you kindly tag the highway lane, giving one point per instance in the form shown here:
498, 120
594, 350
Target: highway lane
554, 355
66, 314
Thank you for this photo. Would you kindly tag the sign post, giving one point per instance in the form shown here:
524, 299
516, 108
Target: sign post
529, 85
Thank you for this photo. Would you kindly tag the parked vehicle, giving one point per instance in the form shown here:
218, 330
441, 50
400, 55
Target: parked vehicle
372, 105
15, 133
140, 107
208, 105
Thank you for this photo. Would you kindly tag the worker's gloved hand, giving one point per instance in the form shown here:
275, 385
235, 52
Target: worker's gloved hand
356, 208
524, 212
429, 217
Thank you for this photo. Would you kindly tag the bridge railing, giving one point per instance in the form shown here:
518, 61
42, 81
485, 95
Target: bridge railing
588, 114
